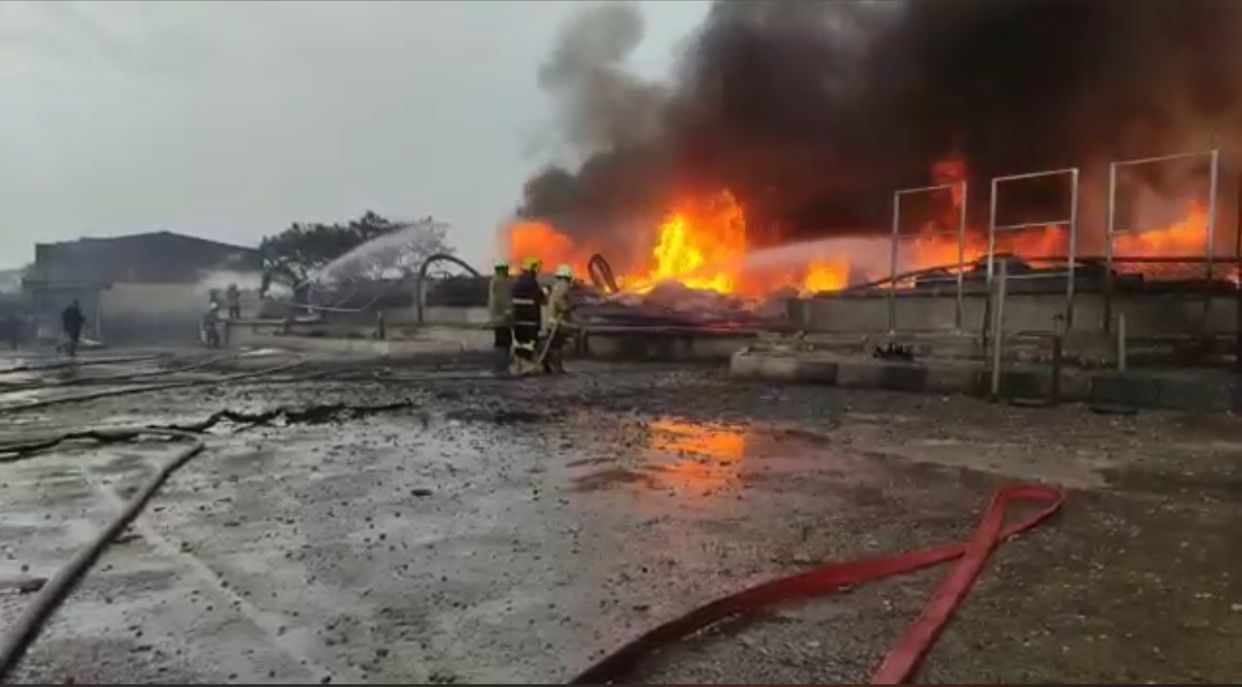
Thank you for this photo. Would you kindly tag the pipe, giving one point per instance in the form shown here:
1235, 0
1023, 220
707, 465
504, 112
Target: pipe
27, 625
419, 292
601, 274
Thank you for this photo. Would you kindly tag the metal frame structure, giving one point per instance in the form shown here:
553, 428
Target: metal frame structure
897, 236
1111, 236
1070, 223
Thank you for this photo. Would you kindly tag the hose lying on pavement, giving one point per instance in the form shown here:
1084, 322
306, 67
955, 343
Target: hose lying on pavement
28, 624
115, 379
904, 657
19, 636
32, 405
79, 363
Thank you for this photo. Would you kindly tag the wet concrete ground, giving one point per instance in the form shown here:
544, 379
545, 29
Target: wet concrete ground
515, 531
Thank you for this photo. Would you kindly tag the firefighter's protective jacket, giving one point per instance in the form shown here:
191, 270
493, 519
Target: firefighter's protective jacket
528, 300
560, 308
500, 302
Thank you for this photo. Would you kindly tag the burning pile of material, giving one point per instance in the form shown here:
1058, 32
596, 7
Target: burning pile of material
791, 123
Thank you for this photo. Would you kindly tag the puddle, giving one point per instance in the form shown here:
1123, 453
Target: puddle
707, 456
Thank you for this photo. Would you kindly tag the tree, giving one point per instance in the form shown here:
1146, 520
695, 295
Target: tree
353, 250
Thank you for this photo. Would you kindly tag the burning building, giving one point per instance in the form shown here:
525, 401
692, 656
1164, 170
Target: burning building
768, 164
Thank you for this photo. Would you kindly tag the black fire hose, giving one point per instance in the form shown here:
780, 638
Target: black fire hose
601, 274
78, 363
26, 628
107, 393
19, 636
113, 379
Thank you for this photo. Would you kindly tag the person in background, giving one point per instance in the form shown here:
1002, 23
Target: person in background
71, 321
209, 326
500, 315
234, 299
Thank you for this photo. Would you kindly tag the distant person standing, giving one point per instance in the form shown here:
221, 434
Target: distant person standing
233, 296
71, 321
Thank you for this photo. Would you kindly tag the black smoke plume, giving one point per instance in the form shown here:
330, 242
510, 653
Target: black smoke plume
812, 113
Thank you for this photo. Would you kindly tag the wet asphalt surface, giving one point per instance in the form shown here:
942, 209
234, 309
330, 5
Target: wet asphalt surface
514, 531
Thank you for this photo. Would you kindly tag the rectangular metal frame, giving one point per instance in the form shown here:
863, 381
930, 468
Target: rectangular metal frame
1213, 156
898, 235
1070, 223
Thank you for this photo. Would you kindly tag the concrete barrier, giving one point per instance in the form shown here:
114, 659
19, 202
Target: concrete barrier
1192, 390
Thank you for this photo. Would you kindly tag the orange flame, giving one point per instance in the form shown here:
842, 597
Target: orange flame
702, 243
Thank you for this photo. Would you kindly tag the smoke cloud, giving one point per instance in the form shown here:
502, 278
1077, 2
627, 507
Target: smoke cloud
812, 113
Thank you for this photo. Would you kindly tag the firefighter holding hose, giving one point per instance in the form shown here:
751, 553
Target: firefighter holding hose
559, 320
528, 300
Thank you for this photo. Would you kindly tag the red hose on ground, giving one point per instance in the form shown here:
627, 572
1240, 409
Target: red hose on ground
904, 657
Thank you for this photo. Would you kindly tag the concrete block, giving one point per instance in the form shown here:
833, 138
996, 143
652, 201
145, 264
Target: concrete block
952, 379
818, 372
858, 375
1203, 394
1126, 390
901, 377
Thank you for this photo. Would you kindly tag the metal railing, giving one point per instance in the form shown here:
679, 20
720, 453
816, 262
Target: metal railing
1070, 224
960, 233
1213, 157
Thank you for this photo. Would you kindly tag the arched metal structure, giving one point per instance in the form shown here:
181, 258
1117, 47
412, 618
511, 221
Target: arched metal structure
601, 274
420, 294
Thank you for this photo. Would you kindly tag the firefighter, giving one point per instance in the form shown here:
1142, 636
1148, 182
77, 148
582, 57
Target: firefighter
500, 314
233, 294
209, 325
559, 326
528, 300
71, 320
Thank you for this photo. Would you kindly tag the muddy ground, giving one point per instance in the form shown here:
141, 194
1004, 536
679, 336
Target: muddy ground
513, 531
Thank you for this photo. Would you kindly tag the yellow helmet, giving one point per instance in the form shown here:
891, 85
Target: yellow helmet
532, 264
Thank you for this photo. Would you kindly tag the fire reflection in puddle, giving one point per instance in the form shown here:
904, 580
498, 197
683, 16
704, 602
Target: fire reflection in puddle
705, 455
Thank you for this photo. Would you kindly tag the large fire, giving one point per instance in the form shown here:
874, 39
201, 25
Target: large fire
702, 243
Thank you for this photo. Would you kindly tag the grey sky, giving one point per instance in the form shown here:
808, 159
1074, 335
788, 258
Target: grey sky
230, 120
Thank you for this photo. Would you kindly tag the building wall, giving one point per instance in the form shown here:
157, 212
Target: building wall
151, 313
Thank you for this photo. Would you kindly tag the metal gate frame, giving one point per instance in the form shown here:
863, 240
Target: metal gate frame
1070, 223
960, 233
1213, 156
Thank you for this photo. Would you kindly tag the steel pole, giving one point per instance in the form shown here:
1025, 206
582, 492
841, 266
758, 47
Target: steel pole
1209, 245
892, 265
961, 240
1072, 248
1108, 245
998, 328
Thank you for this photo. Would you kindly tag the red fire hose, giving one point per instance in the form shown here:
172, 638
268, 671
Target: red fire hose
904, 657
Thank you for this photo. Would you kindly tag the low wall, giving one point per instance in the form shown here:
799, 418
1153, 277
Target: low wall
1150, 315
663, 344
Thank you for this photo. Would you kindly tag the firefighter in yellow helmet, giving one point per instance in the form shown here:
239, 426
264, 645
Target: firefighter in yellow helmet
528, 299
559, 326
